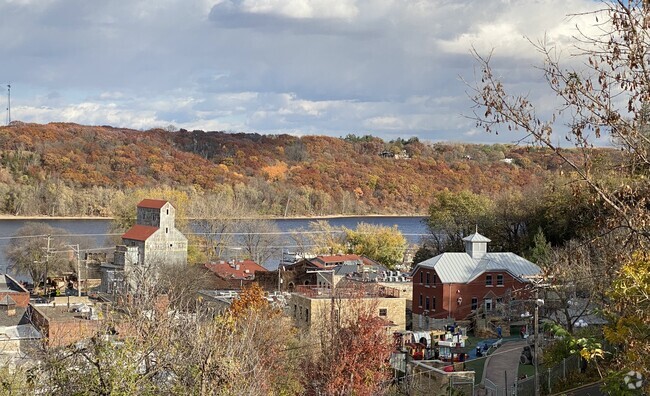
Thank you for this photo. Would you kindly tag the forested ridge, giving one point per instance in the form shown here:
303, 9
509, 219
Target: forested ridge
63, 169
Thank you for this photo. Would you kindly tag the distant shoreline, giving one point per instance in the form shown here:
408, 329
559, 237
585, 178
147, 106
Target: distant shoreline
322, 217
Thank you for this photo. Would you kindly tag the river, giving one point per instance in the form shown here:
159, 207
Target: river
412, 228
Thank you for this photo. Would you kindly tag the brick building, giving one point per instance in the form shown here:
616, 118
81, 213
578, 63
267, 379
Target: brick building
454, 285
312, 306
63, 325
236, 273
319, 270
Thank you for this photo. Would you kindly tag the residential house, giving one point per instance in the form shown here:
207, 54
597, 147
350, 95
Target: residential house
454, 285
236, 273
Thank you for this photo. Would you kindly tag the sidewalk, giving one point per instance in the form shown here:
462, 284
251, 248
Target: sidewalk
504, 362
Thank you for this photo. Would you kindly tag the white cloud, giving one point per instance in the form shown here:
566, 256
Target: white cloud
300, 9
385, 67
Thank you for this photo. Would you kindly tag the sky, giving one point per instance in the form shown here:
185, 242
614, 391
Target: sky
390, 68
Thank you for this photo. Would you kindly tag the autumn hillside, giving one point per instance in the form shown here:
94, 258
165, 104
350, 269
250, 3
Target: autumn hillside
68, 169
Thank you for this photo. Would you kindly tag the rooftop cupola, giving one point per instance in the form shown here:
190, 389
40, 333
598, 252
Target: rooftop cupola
476, 245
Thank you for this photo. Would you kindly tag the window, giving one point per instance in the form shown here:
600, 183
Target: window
171, 245
474, 303
428, 278
426, 307
488, 304
295, 311
420, 305
306, 315
435, 279
167, 211
499, 280
383, 312
166, 230
421, 278
488, 280
433, 303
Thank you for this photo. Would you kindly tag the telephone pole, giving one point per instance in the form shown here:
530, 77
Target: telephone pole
538, 283
47, 262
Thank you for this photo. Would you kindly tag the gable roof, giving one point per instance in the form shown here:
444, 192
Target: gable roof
139, 232
152, 203
462, 268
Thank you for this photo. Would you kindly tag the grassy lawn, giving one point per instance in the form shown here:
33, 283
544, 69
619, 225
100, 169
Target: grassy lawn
526, 369
476, 365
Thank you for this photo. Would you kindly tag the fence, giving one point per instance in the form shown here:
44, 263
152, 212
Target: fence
428, 378
548, 377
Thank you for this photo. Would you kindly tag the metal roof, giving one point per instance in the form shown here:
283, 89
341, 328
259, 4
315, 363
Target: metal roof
462, 268
476, 237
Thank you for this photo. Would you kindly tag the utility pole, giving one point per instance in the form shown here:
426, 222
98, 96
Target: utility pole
47, 263
538, 282
76, 250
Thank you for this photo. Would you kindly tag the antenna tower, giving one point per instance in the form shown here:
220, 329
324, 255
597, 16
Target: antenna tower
8, 104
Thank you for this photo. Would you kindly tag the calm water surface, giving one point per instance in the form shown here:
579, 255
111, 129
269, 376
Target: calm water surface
413, 229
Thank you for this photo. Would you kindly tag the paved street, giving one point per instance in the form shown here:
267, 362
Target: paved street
504, 363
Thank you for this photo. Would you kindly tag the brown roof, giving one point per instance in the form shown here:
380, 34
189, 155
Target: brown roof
333, 260
229, 270
139, 232
152, 203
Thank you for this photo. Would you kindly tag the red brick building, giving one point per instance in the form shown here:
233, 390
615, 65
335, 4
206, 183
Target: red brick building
237, 273
454, 285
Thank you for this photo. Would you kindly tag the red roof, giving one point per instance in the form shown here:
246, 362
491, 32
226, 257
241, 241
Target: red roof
229, 270
139, 232
152, 203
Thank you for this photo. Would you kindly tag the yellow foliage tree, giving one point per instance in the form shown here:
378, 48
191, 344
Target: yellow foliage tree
630, 326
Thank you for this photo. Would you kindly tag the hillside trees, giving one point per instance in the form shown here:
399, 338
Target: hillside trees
57, 169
